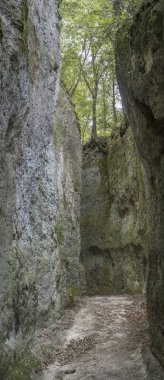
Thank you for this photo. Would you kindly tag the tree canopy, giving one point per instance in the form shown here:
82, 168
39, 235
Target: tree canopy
88, 69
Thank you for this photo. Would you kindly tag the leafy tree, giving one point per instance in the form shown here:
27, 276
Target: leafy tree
88, 37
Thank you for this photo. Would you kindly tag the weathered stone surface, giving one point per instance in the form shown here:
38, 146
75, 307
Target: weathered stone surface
113, 221
140, 68
40, 163
95, 205
68, 153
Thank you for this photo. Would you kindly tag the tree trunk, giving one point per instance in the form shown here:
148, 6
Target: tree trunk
94, 121
94, 112
114, 102
104, 108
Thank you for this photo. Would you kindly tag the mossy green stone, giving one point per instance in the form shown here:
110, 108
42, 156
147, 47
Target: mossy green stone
24, 22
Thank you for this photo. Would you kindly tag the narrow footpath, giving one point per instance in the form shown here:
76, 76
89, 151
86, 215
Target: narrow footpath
103, 338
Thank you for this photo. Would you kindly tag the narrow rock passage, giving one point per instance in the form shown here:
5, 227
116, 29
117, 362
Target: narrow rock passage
102, 339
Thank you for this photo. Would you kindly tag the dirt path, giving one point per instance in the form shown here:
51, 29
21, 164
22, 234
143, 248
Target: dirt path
101, 340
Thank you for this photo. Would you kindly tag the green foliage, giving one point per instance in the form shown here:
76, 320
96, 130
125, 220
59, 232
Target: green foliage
88, 39
73, 292
24, 368
88, 63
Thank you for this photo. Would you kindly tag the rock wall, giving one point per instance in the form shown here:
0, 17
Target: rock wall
40, 173
68, 153
95, 205
113, 218
140, 68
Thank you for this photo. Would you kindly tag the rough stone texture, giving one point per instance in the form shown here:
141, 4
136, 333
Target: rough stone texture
68, 153
113, 218
140, 68
94, 217
39, 172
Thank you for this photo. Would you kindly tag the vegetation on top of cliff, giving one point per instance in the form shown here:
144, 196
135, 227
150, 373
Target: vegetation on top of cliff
88, 40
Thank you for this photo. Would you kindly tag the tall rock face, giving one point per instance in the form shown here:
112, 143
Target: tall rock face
140, 68
68, 153
40, 163
113, 218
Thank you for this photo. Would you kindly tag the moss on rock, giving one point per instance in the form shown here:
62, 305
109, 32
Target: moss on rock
24, 24
113, 218
140, 68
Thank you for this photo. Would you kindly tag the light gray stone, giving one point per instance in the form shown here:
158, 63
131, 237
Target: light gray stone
40, 174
